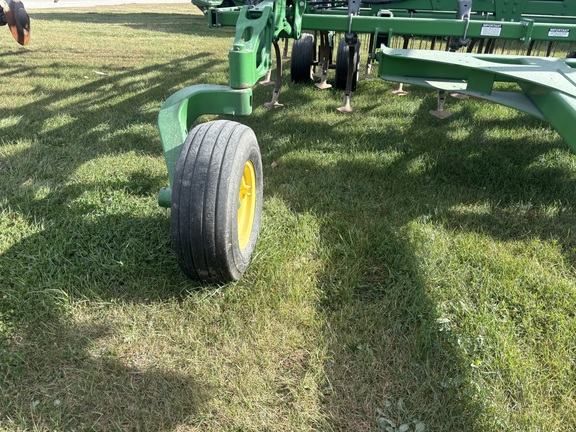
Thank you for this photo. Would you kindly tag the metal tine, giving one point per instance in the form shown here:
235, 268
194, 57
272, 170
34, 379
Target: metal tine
480, 46
323, 62
549, 49
400, 90
441, 113
266, 80
368, 71
530, 47
317, 65
554, 49
274, 103
318, 69
347, 107
490, 47
285, 53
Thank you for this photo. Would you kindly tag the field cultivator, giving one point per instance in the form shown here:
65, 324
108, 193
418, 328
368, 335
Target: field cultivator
459, 47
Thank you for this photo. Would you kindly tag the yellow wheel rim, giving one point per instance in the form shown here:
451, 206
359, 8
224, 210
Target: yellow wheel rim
246, 204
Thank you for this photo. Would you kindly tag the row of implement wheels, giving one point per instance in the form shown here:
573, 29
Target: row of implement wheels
217, 189
303, 60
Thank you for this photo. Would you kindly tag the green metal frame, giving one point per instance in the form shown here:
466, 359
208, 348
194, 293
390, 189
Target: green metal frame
548, 84
256, 28
182, 109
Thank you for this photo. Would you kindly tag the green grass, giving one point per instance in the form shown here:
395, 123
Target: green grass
410, 271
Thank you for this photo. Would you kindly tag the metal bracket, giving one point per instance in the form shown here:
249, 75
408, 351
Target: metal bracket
548, 84
528, 28
463, 13
182, 109
353, 7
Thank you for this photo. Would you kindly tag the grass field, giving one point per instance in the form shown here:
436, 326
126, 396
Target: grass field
412, 274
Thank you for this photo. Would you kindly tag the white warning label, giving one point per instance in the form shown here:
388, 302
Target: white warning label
491, 30
559, 32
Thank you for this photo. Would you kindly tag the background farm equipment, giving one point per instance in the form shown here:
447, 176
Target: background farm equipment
13, 13
456, 47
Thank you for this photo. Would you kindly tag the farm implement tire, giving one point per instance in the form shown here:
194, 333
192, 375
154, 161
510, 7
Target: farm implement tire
217, 201
302, 58
342, 65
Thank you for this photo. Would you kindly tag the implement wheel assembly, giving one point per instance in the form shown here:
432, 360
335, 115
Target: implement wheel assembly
217, 201
215, 171
342, 65
302, 59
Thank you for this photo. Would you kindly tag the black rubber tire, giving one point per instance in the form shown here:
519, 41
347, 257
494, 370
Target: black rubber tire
571, 55
205, 201
302, 58
342, 65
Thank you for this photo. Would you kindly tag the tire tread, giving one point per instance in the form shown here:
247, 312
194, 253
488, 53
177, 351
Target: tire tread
204, 201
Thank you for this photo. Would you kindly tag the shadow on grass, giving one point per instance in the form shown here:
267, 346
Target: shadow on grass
392, 357
101, 112
58, 372
11, 54
51, 376
391, 361
55, 376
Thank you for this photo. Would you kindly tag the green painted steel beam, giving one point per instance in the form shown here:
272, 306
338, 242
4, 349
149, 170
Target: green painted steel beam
443, 14
338, 21
502, 9
182, 109
524, 30
548, 84
479, 69
559, 109
497, 10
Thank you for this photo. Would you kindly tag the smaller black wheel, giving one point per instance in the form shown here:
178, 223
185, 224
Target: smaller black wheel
217, 201
342, 65
571, 55
302, 58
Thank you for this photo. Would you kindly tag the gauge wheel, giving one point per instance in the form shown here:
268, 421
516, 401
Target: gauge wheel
217, 201
302, 59
342, 65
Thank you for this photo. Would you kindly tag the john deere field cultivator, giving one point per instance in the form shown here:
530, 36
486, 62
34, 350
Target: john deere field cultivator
459, 47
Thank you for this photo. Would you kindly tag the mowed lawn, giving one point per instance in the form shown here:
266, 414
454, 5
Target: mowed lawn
412, 274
